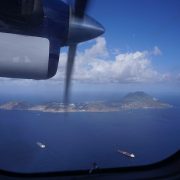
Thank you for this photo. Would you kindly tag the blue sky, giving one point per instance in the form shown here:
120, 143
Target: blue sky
141, 26
139, 51
133, 25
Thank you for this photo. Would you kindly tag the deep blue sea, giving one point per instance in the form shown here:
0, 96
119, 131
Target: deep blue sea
75, 141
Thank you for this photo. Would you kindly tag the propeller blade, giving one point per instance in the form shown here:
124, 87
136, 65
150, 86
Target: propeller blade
80, 8
81, 28
69, 71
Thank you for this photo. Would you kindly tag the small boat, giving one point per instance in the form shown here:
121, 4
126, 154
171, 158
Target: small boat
41, 145
126, 153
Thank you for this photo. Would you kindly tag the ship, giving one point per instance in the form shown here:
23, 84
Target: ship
131, 155
41, 145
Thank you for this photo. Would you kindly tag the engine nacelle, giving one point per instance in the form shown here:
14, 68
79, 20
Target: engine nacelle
24, 57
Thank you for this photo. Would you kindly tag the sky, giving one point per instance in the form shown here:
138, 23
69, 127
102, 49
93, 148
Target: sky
140, 25
139, 51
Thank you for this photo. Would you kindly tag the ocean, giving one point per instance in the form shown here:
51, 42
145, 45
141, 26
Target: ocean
76, 140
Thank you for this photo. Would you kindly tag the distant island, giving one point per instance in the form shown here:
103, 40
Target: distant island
135, 100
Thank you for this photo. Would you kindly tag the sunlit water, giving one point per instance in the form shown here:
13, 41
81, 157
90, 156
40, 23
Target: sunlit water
75, 141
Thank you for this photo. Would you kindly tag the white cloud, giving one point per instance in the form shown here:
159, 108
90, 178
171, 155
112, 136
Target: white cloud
94, 65
156, 51
99, 49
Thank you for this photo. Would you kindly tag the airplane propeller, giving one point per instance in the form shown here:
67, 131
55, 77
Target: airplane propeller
52, 24
80, 8
69, 70
81, 28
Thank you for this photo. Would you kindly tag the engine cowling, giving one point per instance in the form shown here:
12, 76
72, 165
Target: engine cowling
24, 56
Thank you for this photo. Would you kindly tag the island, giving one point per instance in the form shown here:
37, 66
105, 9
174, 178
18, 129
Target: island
135, 100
